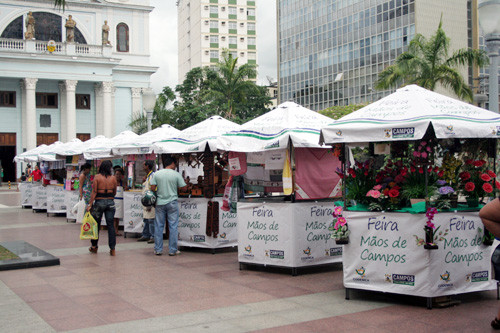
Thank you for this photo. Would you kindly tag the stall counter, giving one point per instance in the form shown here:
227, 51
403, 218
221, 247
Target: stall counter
286, 234
39, 201
26, 190
71, 199
383, 254
56, 199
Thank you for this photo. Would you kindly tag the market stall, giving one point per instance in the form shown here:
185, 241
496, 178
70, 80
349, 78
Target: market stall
134, 154
281, 163
27, 188
202, 222
419, 144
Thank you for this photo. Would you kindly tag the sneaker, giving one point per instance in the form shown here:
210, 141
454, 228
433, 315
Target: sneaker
175, 254
158, 253
142, 239
151, 241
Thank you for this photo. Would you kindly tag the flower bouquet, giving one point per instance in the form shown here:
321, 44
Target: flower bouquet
358, 180
447, 195
477, 182
429, 229
386, 194
340, 229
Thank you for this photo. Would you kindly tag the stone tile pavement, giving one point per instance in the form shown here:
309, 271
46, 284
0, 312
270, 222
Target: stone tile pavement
137, 291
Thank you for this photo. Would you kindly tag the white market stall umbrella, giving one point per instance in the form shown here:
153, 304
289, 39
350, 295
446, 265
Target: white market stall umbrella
51, 155
36, 157
28, 154
102, 149
407, 114
273, 130
197, 137
79, 148
144, 143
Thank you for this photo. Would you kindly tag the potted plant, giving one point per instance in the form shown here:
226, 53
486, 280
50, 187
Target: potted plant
358, 180
339, 227
477, 182
447, 196
429, 229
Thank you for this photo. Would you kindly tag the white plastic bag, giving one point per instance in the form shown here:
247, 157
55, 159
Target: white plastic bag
79, 210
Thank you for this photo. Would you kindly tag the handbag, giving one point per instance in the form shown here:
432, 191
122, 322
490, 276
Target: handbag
89, 229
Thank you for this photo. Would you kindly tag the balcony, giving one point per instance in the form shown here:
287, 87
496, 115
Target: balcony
64, 49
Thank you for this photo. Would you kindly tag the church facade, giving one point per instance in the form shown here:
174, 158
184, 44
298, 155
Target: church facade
79, 72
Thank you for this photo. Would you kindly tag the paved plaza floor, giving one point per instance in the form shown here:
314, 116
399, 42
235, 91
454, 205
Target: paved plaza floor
137, 291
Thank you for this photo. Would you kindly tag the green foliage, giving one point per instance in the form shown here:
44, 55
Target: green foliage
427, 63
60, 4
338, 111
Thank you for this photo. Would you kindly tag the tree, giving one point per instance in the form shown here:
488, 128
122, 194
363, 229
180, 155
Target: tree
338, 111
161, 113
230, 88
426, 63
60, 4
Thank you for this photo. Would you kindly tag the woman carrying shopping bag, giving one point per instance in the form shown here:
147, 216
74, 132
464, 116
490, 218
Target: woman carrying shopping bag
102, 202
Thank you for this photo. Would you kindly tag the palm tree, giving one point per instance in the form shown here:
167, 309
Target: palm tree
426, 63
161, 113
231, 85
60, 4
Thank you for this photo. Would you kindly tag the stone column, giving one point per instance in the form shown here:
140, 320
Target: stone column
107, 117
99, 127
136, 102
62, 112
23, 114
30, 119
70, 109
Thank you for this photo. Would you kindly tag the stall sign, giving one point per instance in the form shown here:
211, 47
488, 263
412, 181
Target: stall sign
40, 197
26, 194
384, 254
132, 212
56, 199
71, 199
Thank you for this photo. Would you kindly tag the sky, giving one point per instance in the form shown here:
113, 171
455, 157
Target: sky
163, 42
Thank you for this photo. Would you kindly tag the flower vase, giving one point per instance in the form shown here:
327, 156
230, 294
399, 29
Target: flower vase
342, 241
488, 237
472, 202
429, 239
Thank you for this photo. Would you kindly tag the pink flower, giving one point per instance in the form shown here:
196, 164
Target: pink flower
431, 225
485, 177
429, 149
373, 193
416, 154
424, 154
337, 211
377, 187
423, 143
341, 220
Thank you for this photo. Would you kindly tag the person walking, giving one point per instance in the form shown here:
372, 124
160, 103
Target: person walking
85, 185
148, 213
490, 216
101, 202
121, 186
166, 183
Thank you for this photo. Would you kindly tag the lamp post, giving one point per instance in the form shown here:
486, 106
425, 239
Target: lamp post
488, 16
148, 103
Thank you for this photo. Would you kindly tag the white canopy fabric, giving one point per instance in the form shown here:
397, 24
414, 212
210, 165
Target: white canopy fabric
36, 157
79, 148
102, 148
273, 130
196, 137
29, 154
407, 114
144, 143
50, 154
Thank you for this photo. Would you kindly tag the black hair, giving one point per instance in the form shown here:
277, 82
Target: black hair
105, 168
116, 167
167, 160
150, 164
120, 170
85, 167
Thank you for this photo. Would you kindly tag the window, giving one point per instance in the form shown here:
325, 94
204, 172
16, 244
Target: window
8, 99
46, 100
251, 12
214, 54
233, 40
233, 25
122, 44
82, 101
251, 26
252, 41
214, 10
214, 39
252, 55
233, 11
214, 25
233, 54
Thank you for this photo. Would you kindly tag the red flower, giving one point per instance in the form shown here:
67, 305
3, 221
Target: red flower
412, 169
465, 175
479, 163
485, 177
436, 169
393, 193
497, 184
487, 188
420, 170
366, 173
399, 178
491, 174
440, 174
469, 187
386, 191
469, 162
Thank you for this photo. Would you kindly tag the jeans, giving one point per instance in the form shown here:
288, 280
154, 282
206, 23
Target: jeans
106, 207
169, 211
149, 228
